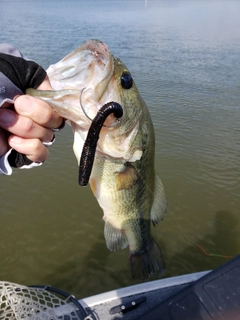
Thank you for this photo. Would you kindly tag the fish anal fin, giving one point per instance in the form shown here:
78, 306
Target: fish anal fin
115, 238
159, 206
126, 178
147, 263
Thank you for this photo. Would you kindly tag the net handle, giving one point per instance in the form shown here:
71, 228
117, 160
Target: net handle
68, 296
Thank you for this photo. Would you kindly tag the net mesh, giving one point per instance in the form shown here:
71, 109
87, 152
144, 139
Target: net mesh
19, 302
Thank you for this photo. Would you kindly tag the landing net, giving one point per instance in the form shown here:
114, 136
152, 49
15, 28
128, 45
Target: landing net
19, 302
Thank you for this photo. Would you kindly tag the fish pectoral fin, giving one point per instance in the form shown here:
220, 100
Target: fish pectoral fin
159, 206
115, 238
127, 178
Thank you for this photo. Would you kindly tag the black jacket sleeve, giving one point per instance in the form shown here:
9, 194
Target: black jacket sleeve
23, 73
16, 75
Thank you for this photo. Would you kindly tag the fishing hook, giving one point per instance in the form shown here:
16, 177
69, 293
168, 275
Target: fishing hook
80, 101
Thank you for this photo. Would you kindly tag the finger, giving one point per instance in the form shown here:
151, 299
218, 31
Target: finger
23, 126
3, 142
45, 85
32, 148
39, 111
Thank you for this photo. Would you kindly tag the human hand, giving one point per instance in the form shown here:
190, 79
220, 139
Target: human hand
29, 125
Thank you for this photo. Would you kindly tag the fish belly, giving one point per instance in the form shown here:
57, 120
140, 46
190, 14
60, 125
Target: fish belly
126, 202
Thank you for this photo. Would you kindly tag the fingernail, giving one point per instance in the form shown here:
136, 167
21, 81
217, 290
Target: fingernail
25, 105
6, 117
15, 140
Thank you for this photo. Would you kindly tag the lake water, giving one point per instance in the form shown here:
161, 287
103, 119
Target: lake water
184, 57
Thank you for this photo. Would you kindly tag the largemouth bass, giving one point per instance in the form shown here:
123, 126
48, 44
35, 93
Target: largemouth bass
123, 178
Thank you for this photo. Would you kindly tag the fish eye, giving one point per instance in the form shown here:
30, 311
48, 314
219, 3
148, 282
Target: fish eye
126, 80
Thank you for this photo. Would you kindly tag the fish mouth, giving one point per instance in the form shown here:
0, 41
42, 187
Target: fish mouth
88, 69
100, 67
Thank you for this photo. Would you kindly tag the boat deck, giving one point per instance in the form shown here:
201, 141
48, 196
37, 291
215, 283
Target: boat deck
210, 295
132, 302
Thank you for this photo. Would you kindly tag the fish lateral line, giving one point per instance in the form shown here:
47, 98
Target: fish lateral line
90, 145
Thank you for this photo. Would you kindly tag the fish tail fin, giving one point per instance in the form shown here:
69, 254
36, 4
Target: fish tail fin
146, 263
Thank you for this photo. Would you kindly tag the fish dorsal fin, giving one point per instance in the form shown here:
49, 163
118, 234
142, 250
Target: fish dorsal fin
115, 238
159, 206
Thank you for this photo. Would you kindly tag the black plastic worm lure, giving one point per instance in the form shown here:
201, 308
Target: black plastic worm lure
89, 148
